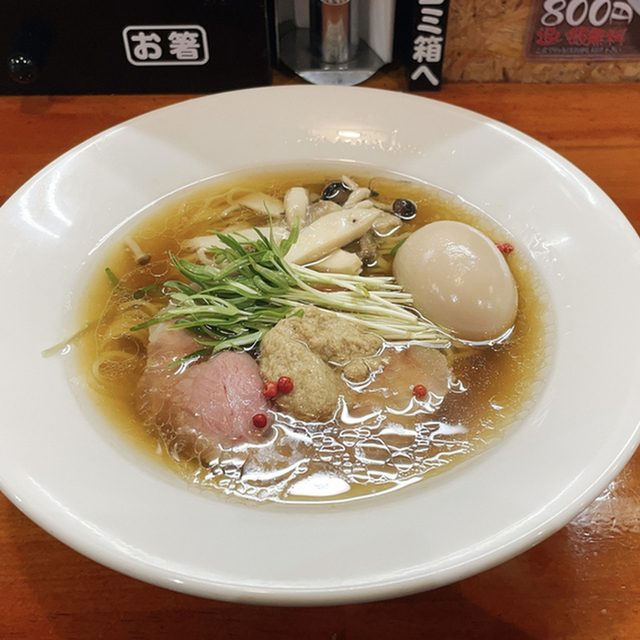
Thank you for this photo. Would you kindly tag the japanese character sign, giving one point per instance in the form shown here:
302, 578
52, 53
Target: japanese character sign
165, 45
429, 31
585, 29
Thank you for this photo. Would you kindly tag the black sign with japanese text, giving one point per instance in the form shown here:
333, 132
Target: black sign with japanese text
421, 31
146, 46
166, 45
585, 29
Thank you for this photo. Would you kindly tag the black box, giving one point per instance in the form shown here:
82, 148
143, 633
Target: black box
62, 47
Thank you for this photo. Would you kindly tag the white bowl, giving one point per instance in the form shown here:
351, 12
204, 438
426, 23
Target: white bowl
78, 479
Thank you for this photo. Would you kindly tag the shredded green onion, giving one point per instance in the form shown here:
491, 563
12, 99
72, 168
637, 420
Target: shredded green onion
113, 278
396, 247
233, 303
58, 348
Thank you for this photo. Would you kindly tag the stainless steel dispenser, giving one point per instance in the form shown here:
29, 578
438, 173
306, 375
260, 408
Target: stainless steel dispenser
335, 41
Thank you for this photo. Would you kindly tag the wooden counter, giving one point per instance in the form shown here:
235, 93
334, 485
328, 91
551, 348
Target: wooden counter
583, 582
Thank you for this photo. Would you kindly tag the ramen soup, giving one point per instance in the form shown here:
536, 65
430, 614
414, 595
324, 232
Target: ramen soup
309, 335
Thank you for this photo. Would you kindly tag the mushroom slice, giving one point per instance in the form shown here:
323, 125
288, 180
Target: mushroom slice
263, 203
367, 251
329, 233
321, 208
360, 194
386, 223
250, 234
340, 261
296, 201
350, 182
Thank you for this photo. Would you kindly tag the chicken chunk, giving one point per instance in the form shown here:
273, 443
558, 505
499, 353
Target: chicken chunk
311, 350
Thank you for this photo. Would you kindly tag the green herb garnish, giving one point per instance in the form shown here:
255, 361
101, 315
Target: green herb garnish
113, 278
140, 293
252, 287
396, 247
62, 345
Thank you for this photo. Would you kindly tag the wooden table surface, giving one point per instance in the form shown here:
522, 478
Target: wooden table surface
583, 582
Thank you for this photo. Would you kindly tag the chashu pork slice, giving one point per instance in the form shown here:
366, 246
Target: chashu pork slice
215, 399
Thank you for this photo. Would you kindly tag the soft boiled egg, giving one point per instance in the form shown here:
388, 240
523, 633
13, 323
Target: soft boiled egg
458, 279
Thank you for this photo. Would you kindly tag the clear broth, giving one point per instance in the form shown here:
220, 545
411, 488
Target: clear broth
337, 460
